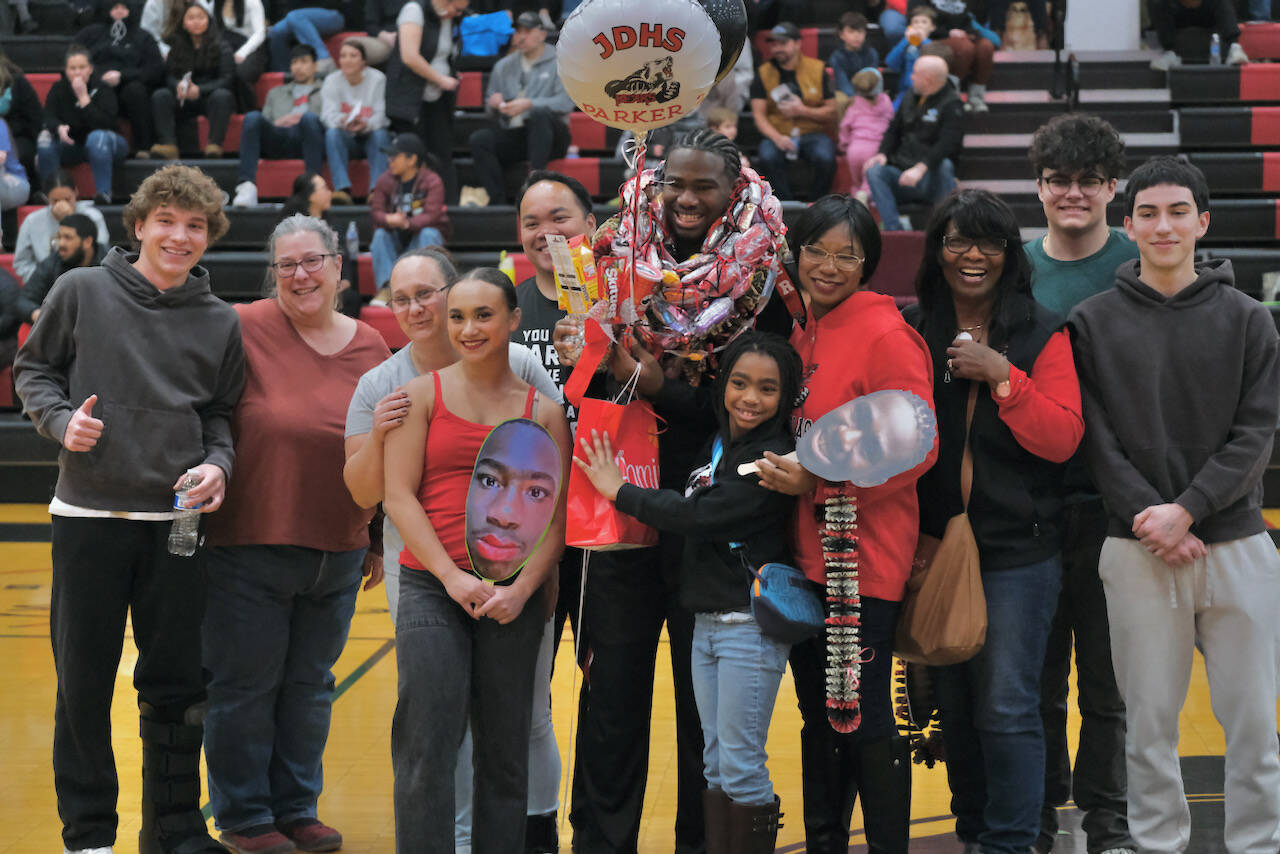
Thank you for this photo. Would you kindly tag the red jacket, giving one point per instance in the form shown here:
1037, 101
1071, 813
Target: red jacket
428, 194
864, 345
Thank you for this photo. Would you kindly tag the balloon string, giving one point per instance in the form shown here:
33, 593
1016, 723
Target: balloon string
633, 149
637, 152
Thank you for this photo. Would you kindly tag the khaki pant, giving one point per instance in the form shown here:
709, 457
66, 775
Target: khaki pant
1229, 603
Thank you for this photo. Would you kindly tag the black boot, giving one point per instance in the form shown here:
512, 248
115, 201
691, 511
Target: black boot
715, 818
541, 835
828, 790
171, 819
753, 829
884, 778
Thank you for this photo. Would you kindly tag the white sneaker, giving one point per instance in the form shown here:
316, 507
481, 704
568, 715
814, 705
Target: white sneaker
246, 195
324, 67
106, 850
977, 104
1236, 55
1119, 851
1165, 61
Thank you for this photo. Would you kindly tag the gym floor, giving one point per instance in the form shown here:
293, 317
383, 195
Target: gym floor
357, 795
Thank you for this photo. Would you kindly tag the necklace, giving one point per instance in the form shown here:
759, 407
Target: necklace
971, 328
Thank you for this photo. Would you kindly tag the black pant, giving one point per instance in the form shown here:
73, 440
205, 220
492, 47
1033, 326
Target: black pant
135, 105
828, 759
103, 570
543, 136
216, 106
435, 128
1216, 16
626, 603
1099, 785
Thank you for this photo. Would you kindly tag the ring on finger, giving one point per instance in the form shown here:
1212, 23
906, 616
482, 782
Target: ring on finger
951, 364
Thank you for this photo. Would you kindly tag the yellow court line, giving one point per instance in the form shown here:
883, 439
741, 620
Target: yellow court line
26, 514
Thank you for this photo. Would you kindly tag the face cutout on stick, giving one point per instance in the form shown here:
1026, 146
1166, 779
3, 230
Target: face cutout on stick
512, 497
869, 439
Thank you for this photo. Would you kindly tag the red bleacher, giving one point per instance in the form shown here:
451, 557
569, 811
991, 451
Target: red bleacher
1261, 40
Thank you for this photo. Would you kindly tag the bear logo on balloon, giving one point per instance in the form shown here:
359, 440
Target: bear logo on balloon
650, 84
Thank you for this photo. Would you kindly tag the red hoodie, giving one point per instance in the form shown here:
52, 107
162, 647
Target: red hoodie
861, 346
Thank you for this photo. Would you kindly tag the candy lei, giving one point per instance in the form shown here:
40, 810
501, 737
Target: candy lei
844, 620
690, 309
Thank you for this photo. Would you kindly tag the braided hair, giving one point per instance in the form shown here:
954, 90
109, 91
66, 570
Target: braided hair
705, 139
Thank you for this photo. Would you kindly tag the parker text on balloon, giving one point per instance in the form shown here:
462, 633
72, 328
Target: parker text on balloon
634, 117
650, 35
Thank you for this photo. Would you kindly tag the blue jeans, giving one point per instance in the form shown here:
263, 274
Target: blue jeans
736, 671
389, 243
340, 145
990, 708
452, 666
103, 149
309, 26
887, 192
276, 620
817, 149
260, 138
894, 25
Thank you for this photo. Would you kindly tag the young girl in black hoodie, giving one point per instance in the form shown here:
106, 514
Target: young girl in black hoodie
199, 70
736, 668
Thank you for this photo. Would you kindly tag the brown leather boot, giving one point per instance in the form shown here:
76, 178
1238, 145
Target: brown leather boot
753, 829
715, 818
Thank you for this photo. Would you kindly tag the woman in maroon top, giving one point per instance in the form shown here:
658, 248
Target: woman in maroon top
289, 547
465, 646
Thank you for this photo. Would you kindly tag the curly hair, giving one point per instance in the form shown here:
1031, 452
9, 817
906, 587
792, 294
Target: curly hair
1073, 142
183, 187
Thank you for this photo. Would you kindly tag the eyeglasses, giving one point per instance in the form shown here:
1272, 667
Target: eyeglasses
1060, 184
987, 245
842, 261
422, 297
310, 263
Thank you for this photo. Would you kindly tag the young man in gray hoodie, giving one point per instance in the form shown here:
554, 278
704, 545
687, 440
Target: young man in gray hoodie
1180, 374
134, 368
530, 106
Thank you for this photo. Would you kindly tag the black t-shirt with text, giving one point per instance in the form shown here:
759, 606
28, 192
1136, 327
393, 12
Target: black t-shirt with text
538, 317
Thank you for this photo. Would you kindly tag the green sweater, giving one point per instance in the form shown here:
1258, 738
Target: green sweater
1060, 285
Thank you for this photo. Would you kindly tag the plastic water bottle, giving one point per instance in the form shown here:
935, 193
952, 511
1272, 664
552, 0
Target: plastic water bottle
353, 241
1215, 50
572, 153
184, 534
794, 153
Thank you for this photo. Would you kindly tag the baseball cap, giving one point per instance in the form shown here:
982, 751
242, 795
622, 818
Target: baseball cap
406, 143
784, 30
529, 21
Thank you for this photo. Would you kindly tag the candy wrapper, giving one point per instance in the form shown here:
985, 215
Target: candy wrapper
577, 285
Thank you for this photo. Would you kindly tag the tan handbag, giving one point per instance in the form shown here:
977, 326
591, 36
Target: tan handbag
944, 611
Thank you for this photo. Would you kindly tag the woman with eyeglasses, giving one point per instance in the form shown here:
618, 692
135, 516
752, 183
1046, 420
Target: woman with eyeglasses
288, 549
1007, 360
854, 343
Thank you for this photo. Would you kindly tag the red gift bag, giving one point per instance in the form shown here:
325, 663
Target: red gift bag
593, 523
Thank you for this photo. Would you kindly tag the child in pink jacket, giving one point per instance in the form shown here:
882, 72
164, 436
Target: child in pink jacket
863, 126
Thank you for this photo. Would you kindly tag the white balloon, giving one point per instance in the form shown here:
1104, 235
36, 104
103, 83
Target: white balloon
638, 64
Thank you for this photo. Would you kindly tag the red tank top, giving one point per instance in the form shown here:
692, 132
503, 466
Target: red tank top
453, 444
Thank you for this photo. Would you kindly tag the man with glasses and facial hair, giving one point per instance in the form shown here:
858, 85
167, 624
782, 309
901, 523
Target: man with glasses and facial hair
1077, 159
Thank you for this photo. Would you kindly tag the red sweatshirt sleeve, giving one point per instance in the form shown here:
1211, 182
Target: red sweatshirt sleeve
1043, 409
380, 203
902, 362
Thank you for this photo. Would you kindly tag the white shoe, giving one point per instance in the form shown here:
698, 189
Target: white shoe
1119, 851
977, 104
246, 195
1165, 61
862, 196
324, 66
1236, 55
106, 850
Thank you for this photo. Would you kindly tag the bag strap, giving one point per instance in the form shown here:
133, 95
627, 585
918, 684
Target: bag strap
966, 461
739, 549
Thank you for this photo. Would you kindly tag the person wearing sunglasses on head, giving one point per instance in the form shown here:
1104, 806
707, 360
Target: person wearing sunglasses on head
1005, 359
